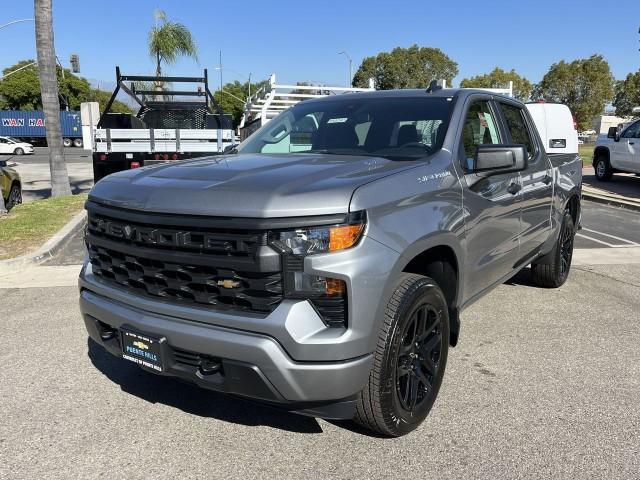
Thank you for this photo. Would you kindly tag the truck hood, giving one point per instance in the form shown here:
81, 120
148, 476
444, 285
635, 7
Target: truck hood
246, 185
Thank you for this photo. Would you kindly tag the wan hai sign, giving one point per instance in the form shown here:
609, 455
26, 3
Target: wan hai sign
20, 122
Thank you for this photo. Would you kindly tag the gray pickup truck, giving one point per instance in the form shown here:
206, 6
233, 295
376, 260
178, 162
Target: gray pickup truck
323, 265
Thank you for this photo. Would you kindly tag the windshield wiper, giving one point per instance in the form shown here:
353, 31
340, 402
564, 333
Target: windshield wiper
334, 152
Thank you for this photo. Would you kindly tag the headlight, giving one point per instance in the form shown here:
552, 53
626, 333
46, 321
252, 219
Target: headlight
328, 295
309, 241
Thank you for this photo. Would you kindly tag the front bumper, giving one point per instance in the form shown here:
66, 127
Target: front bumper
252, 365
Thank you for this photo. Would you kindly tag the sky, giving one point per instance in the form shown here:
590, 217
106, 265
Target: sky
300, 41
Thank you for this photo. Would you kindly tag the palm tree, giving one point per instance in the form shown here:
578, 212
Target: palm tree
49, 92
168, 41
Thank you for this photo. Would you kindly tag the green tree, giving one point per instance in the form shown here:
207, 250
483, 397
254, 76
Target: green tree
499, 78
585, 85
413, 67
49, 91
168, 41
21, 90
103, 97
627, 94
233, 96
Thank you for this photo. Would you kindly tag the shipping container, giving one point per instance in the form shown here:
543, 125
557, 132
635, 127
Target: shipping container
29, 125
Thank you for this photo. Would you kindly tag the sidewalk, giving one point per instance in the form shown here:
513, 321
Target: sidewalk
623, 190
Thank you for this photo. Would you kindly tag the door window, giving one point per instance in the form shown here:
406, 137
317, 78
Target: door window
517, 126
633, 131
479, 129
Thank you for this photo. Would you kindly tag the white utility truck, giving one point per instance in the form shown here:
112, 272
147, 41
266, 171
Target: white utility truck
166, 127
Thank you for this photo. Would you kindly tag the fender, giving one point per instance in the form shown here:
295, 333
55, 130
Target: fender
427, 242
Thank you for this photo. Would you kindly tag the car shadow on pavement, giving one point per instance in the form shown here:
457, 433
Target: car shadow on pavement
522, 278
194, 400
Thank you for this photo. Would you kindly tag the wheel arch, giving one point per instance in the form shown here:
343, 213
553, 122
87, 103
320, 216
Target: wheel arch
441, 262
573, 204
601, 150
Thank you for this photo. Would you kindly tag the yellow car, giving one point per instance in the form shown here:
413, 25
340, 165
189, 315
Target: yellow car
11, 185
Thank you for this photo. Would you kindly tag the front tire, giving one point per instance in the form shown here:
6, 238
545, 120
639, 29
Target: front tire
15, 197
409, 360
18, 151
78, 143
603, 169
67, 142
554, 271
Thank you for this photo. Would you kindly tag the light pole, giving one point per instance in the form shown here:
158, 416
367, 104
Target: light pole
16, 21
350, 65
241, 75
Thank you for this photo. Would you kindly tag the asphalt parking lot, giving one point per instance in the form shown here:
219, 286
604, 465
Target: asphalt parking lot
606, 226
544, 383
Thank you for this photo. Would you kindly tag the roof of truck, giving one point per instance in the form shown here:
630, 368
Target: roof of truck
411, 93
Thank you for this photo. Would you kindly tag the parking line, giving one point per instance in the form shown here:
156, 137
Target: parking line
611, 236
605, 243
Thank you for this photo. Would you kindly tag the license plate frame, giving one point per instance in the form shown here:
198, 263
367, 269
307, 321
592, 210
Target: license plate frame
142, 349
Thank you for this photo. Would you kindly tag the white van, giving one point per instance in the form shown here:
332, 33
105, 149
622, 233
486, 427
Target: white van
556, 126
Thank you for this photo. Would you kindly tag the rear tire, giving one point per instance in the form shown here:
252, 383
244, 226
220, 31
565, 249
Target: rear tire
603, 169
554, 271
15, 197
18, 151
78, 143
409, 360
67, 142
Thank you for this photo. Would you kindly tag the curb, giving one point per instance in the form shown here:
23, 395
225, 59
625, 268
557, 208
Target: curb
616, 202
49, 249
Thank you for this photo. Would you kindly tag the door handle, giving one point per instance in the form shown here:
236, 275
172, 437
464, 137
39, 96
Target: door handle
514, 188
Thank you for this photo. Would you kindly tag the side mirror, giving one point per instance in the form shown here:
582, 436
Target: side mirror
231, 149
500, 158
613, 133
3, 163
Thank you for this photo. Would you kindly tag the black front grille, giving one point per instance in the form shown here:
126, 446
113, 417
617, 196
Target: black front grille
196, 265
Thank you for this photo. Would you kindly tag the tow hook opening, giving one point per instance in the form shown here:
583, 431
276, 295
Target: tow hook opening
210, 365
106, 332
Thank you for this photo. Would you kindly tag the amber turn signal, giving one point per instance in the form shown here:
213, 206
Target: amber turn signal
344, 236
336, 287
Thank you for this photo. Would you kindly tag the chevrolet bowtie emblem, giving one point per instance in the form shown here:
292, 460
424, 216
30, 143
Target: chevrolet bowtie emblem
228, 283
141, 345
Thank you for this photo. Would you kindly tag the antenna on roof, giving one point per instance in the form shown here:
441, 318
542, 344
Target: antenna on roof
434, 86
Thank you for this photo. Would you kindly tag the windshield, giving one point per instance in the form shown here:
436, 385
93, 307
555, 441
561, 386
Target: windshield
14, 140
399, 128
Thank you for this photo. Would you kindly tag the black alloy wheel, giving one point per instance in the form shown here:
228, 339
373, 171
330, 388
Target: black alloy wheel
419, 358
409, 360
15, 197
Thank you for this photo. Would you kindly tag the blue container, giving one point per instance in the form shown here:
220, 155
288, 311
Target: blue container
31, 124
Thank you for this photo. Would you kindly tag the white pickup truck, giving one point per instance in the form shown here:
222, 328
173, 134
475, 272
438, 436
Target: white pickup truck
618, 151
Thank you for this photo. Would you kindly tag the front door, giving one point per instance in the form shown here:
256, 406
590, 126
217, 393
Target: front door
627, 150
537, 181
491, 204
